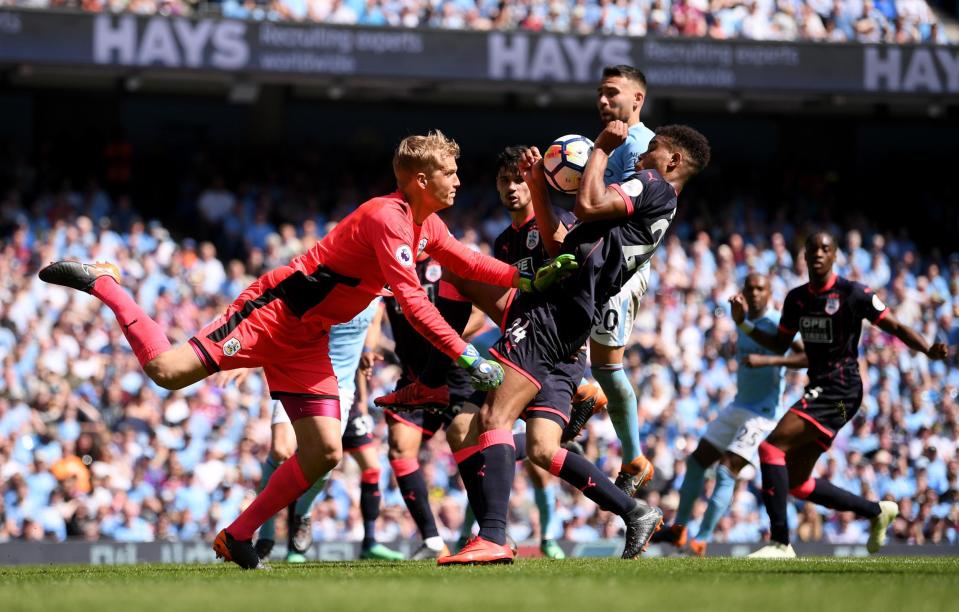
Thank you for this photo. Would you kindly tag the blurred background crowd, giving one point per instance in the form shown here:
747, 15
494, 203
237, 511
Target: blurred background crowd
892, 21
90, 449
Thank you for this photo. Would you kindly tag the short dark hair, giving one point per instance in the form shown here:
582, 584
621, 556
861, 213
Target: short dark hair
509, 158
811, 238
755, 275
689, 140
627, 72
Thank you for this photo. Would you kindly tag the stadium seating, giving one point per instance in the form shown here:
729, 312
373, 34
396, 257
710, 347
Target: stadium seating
892, 21
118, 458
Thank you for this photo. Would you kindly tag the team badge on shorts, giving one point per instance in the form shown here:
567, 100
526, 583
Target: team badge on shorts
404, 255
231, 347
832, 304
532, 239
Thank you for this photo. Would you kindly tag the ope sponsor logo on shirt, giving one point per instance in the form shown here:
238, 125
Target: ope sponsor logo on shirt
816, 329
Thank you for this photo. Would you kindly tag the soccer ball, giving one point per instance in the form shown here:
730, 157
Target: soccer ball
565, 160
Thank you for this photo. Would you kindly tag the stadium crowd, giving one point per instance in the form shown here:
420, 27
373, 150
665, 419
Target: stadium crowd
891, 21
90, 449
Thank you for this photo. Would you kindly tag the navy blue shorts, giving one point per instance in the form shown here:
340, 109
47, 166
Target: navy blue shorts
544, 343
427, 421
359, 431
555, 397
828, 407
431, 422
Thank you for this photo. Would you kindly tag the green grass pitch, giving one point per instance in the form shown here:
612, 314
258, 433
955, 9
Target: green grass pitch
580, 585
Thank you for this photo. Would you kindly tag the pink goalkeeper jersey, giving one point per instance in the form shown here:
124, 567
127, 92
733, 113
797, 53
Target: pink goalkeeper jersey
377, 245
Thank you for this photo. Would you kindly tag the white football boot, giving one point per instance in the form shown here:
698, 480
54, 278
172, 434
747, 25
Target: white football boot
774, 550
877, 527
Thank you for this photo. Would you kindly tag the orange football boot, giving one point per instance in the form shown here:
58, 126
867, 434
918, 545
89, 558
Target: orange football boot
479, 552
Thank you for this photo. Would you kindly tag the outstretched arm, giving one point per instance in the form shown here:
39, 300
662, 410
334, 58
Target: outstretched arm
796, 359
778, 343
469, 264
911, 337
477, 322
371, 345
793, 361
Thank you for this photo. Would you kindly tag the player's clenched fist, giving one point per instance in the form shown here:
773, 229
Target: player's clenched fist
485, 375
738, 303
531, 166
612, 136
938, 351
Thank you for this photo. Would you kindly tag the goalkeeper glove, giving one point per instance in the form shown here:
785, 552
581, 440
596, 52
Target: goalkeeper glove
485, 375
551, 273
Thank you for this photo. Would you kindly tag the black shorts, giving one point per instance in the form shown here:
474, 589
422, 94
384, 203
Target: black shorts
554, 400
543, 343
412, 349
359, 431
431, 422
420, 359
828, 407
428, 422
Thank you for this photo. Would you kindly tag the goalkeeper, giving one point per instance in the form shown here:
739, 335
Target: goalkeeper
281, 322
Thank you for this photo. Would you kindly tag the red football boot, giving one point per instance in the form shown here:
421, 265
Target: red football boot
479, 552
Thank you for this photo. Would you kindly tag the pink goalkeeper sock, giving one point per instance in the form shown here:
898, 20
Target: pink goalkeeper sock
285, 485
143, 333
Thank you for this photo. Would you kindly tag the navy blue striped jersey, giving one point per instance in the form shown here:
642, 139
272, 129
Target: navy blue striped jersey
522, 246
610, 251
830, 323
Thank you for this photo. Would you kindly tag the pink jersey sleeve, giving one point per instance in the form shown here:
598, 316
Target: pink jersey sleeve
464, 261
391, 236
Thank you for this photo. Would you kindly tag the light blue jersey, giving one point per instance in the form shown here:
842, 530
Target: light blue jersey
346, 346
759, 390
622, 163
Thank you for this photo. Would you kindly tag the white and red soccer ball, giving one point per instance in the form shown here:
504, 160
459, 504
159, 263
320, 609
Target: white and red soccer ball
565, 160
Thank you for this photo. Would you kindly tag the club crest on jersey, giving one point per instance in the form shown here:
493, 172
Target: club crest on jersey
421, 246
433, 272
832, 304
404, 255
532, 239
231, 347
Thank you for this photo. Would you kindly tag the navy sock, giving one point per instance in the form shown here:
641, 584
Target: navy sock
370, 509
519, 444
496, 482
469, 471
413, 488
585, 476
775, 497
829, 495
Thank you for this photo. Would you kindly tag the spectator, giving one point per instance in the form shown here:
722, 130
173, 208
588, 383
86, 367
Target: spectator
89, 449
893, 21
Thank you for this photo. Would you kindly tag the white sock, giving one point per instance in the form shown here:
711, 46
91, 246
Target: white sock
434, 543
